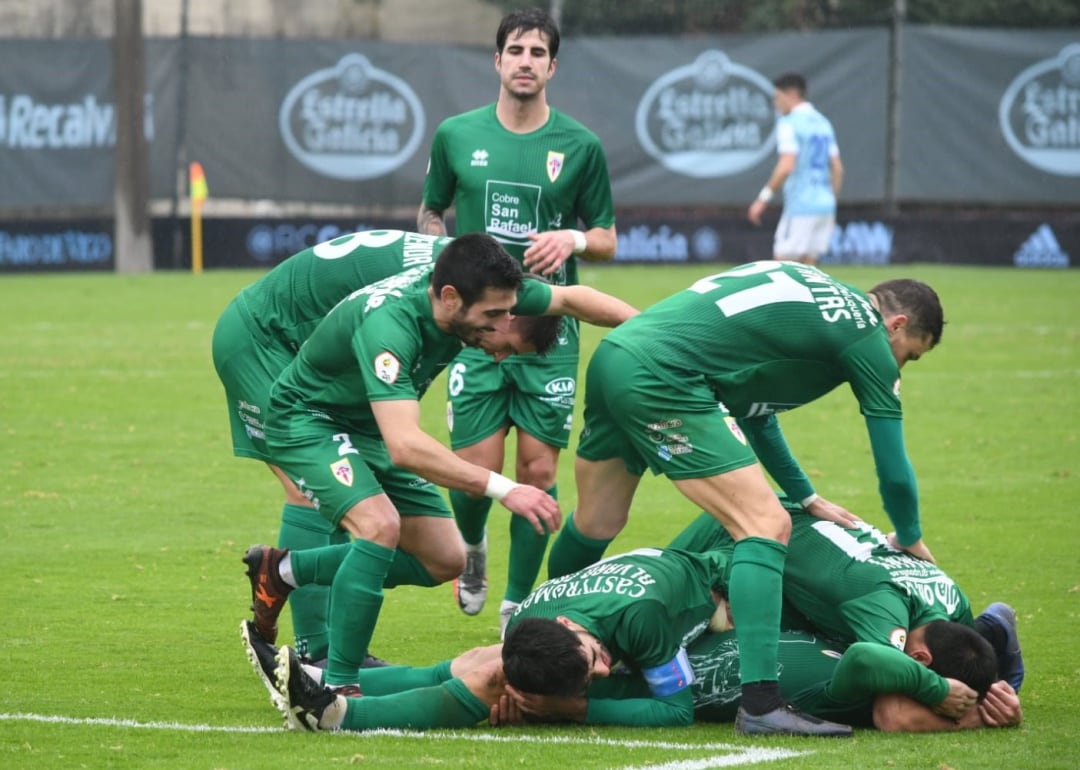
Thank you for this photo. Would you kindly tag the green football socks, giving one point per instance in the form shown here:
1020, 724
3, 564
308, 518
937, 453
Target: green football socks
754, 590
526, 556
355, 600
572, 550
309, 605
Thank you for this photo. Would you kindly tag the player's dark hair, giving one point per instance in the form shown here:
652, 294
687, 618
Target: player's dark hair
540, 331
791, 81
544, 657
917, 301
959, 652
524, 20
473, 263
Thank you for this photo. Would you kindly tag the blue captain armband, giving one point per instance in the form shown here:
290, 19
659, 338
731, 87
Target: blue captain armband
671, 677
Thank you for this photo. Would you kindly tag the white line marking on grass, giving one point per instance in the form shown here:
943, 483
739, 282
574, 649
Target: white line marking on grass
740, 755
744, 756
107, 722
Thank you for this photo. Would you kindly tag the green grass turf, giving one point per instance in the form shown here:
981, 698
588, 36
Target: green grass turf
123, 516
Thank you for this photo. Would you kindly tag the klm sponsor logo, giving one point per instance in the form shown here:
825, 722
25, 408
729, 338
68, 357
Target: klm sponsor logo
1041, 249
1039, 114
352, 121
27, 124
710, 118
860, 243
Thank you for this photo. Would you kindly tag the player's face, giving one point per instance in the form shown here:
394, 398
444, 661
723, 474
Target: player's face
907, 347
490, 313
525, 64
500, 345
596, 655
784, 100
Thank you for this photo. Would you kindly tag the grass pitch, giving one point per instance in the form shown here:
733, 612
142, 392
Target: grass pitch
123, 516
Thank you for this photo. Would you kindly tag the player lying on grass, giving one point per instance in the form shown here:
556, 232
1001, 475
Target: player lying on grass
866, 685
642, 609
575, 608
853, 585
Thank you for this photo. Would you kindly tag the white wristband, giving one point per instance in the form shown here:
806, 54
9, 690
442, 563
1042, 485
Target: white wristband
499, 486
765, 195
806, 502
580, 244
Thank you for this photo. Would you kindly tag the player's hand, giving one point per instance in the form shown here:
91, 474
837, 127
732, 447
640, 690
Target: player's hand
917, 549
505, 711
1001, 706
549, 251
549, 708
958, 702
536, 505
823, 509
757, 208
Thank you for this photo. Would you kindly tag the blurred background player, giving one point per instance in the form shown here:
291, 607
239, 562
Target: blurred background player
810, 172
525, 174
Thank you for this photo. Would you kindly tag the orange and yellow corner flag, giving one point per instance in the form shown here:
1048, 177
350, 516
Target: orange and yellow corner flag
198, 189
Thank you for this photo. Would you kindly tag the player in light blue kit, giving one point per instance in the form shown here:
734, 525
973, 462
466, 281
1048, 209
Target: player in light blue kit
810, 172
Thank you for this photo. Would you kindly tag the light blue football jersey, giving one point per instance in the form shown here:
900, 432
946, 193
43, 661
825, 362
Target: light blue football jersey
809, 134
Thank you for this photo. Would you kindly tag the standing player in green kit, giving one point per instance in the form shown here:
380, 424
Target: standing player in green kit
258, 335
690, 388
525, 174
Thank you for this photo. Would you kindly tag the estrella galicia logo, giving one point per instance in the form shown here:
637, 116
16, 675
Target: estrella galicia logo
707, 119
352, 121
1040, 113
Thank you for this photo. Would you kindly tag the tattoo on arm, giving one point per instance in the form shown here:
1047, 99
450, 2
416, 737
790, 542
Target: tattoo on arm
430, 222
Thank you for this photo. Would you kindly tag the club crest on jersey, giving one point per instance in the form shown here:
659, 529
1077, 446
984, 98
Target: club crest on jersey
898, 638
896, 388
554, 164
387, 367
736, 431
342, 470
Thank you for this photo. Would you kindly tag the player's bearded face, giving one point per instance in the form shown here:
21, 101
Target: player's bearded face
491, 313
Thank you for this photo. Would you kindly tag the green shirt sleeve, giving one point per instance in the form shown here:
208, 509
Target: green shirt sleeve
868, 669
439, 184
534, 298
896, 477
675, 710
772, 450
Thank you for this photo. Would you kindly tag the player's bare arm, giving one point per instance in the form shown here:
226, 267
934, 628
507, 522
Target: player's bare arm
784, 166
413, 449
836, 174
429, 221
550, 249
589, 305
899, 713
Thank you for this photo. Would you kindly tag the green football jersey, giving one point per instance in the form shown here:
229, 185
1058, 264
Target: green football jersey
643, 606
381, 343
853, 585
288, 302
509, 185
848, 583
768, 337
